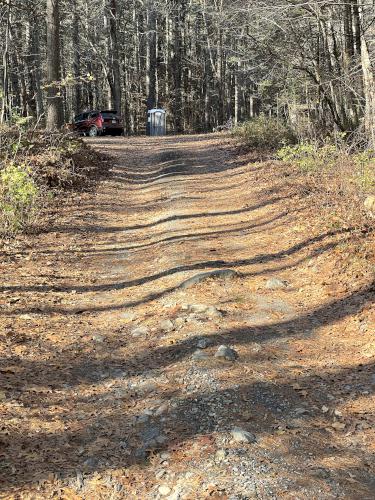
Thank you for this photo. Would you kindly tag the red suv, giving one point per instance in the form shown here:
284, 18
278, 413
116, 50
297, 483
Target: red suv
93, 123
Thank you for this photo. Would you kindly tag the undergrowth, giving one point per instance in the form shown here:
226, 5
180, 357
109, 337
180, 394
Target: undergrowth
35, 168
264, 133
18, 197
340, 181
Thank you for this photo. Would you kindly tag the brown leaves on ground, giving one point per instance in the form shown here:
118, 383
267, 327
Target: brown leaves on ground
92, 408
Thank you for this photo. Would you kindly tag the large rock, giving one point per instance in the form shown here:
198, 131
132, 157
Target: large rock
203, 343
219, 273
241, 436
206, 310
227, 353
167, 326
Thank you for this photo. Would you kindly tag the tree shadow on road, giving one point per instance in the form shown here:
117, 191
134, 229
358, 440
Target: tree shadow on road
106, 425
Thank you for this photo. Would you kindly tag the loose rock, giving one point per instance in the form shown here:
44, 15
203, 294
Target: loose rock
204, 309
203, 343
220, 273
167, 326
220, 455
179, 322
241, 436
227, 353
164, 490
128, 316
370, 205
140, 331
276, 284
199, 356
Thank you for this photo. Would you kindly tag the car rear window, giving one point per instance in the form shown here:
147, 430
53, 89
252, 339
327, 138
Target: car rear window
108, 114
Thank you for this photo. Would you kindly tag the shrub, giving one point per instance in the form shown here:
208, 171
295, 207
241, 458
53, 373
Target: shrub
365, 171
18, 196
264, 133
308, 157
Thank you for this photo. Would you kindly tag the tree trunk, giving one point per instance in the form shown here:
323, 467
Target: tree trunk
151, 57
177, 70
5, 99
54, 99
368, 87
77, 61
115, 56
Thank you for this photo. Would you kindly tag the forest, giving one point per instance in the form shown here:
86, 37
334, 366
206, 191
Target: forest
187, 313
205, 61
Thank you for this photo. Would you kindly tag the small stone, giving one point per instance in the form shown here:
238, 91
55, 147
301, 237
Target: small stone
300, 411
167, 326
276, 284
148, 412
91, 462
128, 316
241, 436
98, 338
120, 393
322, 473
203, 343
220, 455
26, 317
213, 312
369, 350
164, 490
206, 310
160, 473
199, 356
179, 322
162, 409
227, 353
370, 205
198, 308
140, 331
142, 419
161, 439
255, 347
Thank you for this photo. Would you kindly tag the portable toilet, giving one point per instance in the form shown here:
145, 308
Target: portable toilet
156, 122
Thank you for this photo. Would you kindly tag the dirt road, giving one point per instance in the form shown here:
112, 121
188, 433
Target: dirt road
112, 386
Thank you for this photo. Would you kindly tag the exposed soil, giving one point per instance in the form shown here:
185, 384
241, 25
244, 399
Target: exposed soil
103, 393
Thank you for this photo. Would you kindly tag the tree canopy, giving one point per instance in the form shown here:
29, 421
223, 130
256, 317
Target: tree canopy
205, 61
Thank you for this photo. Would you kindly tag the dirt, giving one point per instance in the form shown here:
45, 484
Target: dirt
102, 392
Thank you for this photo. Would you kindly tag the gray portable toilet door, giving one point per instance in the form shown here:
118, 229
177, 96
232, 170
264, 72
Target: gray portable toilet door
158, 122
